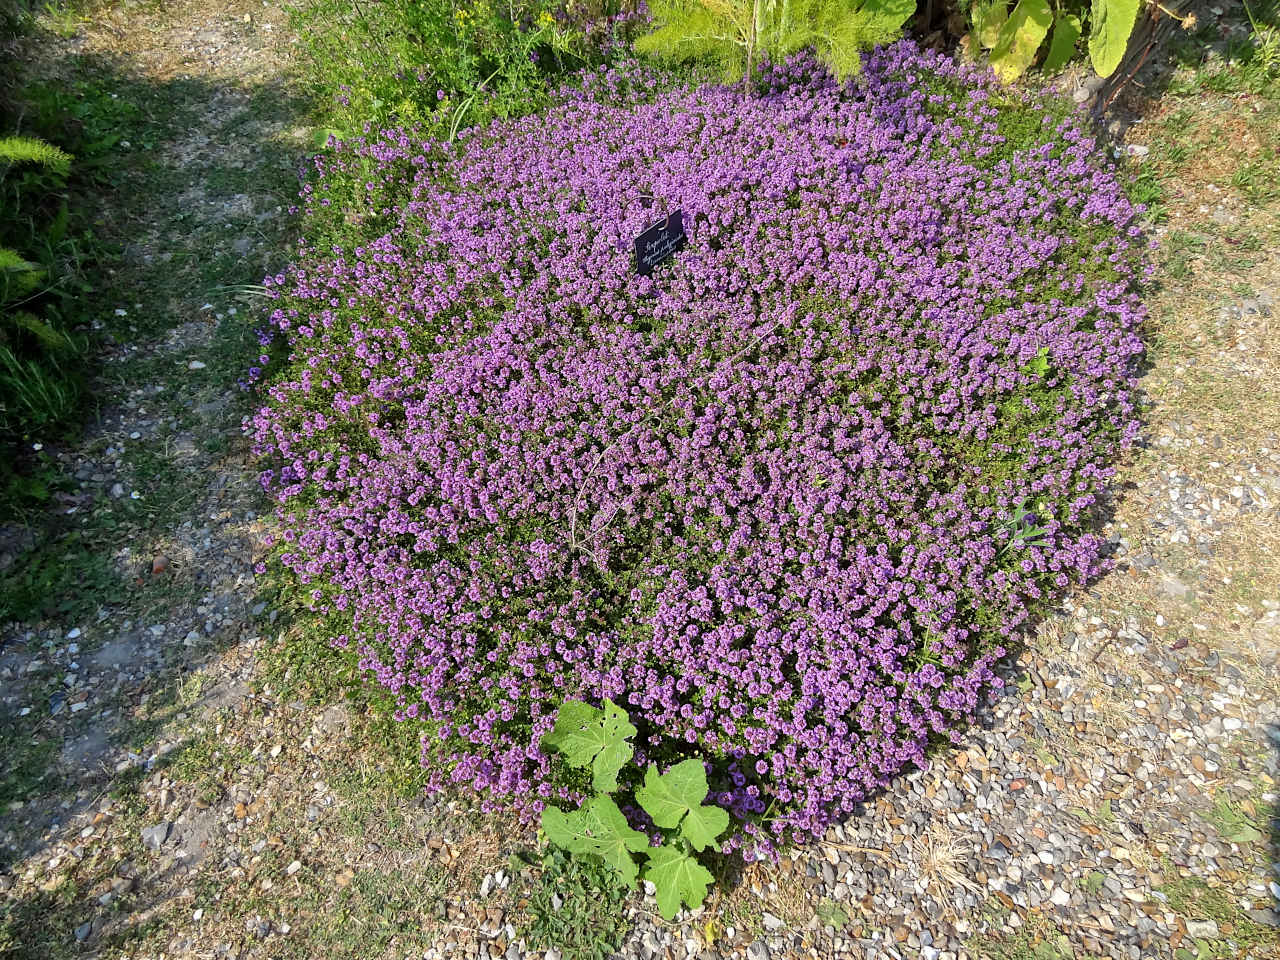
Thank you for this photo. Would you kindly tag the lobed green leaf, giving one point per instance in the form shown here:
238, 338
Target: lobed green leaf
678, 878
597, 828
675, 799
596, 738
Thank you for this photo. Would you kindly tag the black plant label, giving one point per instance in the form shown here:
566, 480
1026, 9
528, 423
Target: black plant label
659, 243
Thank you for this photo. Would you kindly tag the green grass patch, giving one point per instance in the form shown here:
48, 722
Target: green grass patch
575, 906
67, 577
1036, 939
1239, 934
27, 760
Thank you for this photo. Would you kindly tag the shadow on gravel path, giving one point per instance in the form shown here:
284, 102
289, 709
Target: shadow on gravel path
132, 599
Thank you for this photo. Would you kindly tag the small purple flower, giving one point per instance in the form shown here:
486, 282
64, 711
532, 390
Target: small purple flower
763, 499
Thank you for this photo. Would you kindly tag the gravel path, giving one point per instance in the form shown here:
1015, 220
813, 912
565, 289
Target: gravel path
1117, 801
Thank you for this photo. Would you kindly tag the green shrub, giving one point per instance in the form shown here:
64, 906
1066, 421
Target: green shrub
1015, 34
39, 264
445, 64
736, 34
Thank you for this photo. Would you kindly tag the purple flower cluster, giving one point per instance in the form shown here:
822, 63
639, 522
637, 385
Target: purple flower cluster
765, 499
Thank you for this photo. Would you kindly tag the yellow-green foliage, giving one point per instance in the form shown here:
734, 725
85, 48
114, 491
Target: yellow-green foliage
18, 277
1015, 36
39, 356
31, 150
735, 34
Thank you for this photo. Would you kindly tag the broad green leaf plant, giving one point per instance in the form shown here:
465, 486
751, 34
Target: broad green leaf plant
593, 738
737, 34
1015, 35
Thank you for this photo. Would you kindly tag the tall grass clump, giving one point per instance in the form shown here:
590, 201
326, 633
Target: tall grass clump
443, 65
786, 501
40, 356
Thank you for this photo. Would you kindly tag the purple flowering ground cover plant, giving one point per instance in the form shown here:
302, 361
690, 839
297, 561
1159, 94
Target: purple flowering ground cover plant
786, 500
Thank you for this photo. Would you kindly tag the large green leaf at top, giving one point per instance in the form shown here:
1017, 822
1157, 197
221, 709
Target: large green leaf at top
988, 20
675, 798
587, 736
1110, 26
1062, 45
597, 828
887, 14
1020, 38
678, 878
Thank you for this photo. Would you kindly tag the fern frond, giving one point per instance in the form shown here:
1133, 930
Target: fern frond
42, 331
18, 276
719, 30
31, 150
12, 262
694, 30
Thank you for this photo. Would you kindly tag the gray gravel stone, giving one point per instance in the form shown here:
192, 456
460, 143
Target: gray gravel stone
153, 837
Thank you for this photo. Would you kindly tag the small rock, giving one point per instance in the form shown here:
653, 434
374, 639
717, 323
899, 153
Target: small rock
771, 922
258, 927
758, 951
73, 633
83, 931
159, 565
1202, 929
195, 365
153, 838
